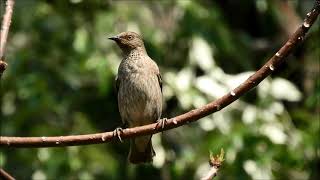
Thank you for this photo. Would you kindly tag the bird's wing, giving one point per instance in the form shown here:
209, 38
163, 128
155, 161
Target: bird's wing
117, 84
160, 80
116, 87
156, 71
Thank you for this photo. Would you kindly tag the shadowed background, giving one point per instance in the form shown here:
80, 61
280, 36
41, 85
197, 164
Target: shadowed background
60, 81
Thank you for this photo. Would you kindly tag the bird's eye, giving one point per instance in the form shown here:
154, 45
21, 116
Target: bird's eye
130, 37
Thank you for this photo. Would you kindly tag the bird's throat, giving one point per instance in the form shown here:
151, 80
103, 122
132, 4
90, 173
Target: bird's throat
134, 51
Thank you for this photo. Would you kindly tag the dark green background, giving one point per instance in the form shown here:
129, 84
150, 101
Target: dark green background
61, 74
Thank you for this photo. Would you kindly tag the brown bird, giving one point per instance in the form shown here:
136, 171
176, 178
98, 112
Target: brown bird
139, 89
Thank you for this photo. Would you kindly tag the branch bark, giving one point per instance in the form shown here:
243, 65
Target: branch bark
193, 115
3, 39
6, 21
5, 176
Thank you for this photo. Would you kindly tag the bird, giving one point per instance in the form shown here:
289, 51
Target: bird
139, 93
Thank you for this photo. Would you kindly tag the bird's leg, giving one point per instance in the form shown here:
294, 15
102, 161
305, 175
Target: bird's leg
117, 133
161, 122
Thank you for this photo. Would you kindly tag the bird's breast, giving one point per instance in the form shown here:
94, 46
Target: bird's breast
139, 84
140, 97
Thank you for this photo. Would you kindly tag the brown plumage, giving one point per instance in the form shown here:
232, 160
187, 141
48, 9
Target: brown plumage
139, 92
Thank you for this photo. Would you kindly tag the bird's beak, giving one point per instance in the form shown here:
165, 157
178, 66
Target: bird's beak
114, 38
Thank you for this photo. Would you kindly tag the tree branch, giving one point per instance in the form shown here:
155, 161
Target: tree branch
3, 39
5, 176
4, 33
180, 120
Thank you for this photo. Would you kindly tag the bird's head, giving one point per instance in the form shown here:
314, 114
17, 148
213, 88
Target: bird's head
128, 41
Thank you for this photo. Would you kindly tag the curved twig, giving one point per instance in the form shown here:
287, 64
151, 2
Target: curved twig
185, 118
4, 33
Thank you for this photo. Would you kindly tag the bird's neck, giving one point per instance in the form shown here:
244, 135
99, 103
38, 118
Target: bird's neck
135, 51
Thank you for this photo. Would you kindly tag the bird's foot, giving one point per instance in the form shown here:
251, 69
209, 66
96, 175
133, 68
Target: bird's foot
117, 133
161, 122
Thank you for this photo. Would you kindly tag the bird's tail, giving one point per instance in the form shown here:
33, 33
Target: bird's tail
141, 150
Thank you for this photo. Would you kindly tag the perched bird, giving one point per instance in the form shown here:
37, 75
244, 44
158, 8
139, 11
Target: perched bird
139, 90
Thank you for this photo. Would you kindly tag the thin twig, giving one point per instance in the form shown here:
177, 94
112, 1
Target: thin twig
6, 21
180, 120
5, 176
215, 163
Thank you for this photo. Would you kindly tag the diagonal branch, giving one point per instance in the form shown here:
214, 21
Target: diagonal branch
4, 33
180, 120
5, 176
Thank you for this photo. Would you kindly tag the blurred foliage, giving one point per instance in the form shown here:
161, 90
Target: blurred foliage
60, 82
